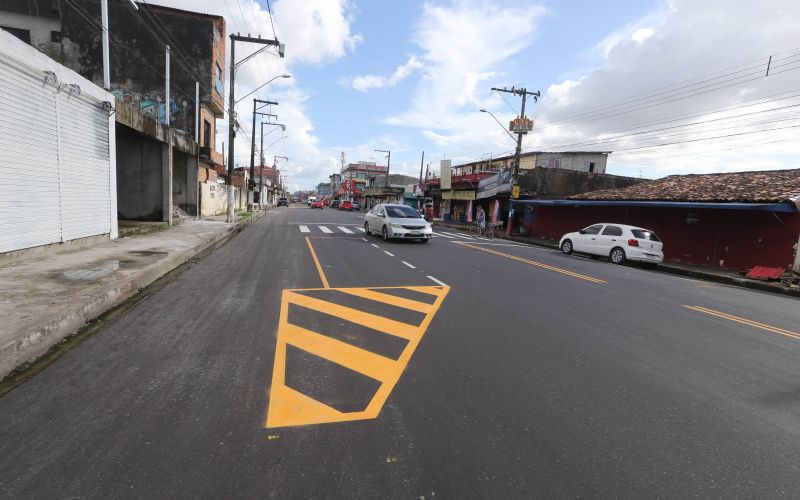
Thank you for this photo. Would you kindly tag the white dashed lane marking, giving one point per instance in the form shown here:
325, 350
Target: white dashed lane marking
409, 265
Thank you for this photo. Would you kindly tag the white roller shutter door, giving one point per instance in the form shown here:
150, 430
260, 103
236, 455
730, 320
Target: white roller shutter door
30, 213
54, 161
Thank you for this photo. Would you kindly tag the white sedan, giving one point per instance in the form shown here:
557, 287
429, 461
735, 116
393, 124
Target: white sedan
397, 221
618, 242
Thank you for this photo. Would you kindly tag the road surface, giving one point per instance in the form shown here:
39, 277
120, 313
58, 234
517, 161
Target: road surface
305, 359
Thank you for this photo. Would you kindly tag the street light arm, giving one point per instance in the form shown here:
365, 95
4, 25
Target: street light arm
261, 86
498, 122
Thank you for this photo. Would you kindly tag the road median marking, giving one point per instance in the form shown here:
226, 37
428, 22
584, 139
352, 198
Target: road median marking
534, 263
291, 407
745, 321
316, 263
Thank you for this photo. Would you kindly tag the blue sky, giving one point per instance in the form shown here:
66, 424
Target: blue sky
410, 76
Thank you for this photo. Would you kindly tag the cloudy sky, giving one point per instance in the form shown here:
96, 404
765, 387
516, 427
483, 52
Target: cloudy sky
671, 86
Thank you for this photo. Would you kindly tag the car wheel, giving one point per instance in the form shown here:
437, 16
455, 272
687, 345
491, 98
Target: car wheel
566, 247
385, 234
366, 229
617, 255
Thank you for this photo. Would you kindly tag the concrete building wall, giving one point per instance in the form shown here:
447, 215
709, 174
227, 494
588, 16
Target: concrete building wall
571, 161
41, 30
559, 183
213, 198
139, 177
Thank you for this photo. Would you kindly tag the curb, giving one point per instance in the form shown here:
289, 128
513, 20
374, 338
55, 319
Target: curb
680, 271
37, 343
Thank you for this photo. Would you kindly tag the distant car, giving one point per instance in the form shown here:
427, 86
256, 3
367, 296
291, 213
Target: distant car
356, 206
317, 204
326, 202
346, 205
335, 203
618, 242
283, 202
397, 221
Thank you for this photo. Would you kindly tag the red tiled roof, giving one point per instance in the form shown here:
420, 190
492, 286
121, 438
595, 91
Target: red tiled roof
769, 186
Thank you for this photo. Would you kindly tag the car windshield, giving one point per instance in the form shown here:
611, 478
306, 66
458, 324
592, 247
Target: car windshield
402, 213
644, 234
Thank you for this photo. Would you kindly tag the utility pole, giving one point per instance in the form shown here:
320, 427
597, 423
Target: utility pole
252, 182
521, 126
166, 91
388, 162
232, 106
421, 164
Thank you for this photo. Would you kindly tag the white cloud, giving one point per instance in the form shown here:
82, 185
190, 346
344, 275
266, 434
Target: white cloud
639, 82
366, 82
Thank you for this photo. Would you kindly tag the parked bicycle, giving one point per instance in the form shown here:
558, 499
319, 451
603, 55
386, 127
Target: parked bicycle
486, 232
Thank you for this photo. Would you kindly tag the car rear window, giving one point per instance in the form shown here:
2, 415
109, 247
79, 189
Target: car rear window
644, 234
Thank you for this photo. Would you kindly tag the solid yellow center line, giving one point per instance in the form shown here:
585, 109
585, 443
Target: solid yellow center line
745, 321
537, 264
325, 283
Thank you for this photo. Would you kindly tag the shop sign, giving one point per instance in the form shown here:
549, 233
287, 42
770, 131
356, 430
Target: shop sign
497, 183
458, 195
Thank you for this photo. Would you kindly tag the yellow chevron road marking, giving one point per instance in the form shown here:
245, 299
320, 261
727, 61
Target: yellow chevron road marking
290, 407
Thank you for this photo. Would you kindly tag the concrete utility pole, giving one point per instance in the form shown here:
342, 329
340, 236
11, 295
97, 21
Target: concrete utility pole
388, 162
232, 106
518, 126
166, 91
252, 182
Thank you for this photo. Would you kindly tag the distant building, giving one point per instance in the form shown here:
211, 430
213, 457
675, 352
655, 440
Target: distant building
582, 161
324, 190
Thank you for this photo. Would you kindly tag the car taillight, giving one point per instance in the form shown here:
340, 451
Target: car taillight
633, 243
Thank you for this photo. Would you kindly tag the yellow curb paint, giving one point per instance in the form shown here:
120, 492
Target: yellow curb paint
534, 263
289, 407
745, 321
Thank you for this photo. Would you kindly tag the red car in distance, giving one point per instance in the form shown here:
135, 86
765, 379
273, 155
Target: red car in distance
346, 205
317, 204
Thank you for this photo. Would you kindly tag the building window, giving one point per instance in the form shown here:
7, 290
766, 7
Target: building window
24, 35
218, 81
206, 134
591, 166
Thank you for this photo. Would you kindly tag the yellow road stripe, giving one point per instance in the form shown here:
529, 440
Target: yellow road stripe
745, 321
537, 264
385, 325
319, 267
388, 299
357, 359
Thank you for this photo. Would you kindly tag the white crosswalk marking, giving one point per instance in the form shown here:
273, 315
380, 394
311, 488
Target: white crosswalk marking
304, 229
325, 229
344, 229
361, 229
461, 236
445, 235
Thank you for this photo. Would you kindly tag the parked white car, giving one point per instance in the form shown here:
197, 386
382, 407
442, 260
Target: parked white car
397, 221
618, 242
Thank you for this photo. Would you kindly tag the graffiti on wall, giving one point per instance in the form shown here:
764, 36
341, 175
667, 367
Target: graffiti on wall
152, 104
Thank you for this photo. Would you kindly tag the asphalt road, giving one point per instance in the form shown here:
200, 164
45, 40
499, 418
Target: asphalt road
460, 368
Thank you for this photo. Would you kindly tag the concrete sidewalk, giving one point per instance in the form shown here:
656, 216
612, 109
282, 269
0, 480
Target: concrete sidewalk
716, 275
45, 299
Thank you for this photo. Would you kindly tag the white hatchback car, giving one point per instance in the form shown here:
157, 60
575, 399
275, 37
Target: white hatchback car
397, 221
618, 242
